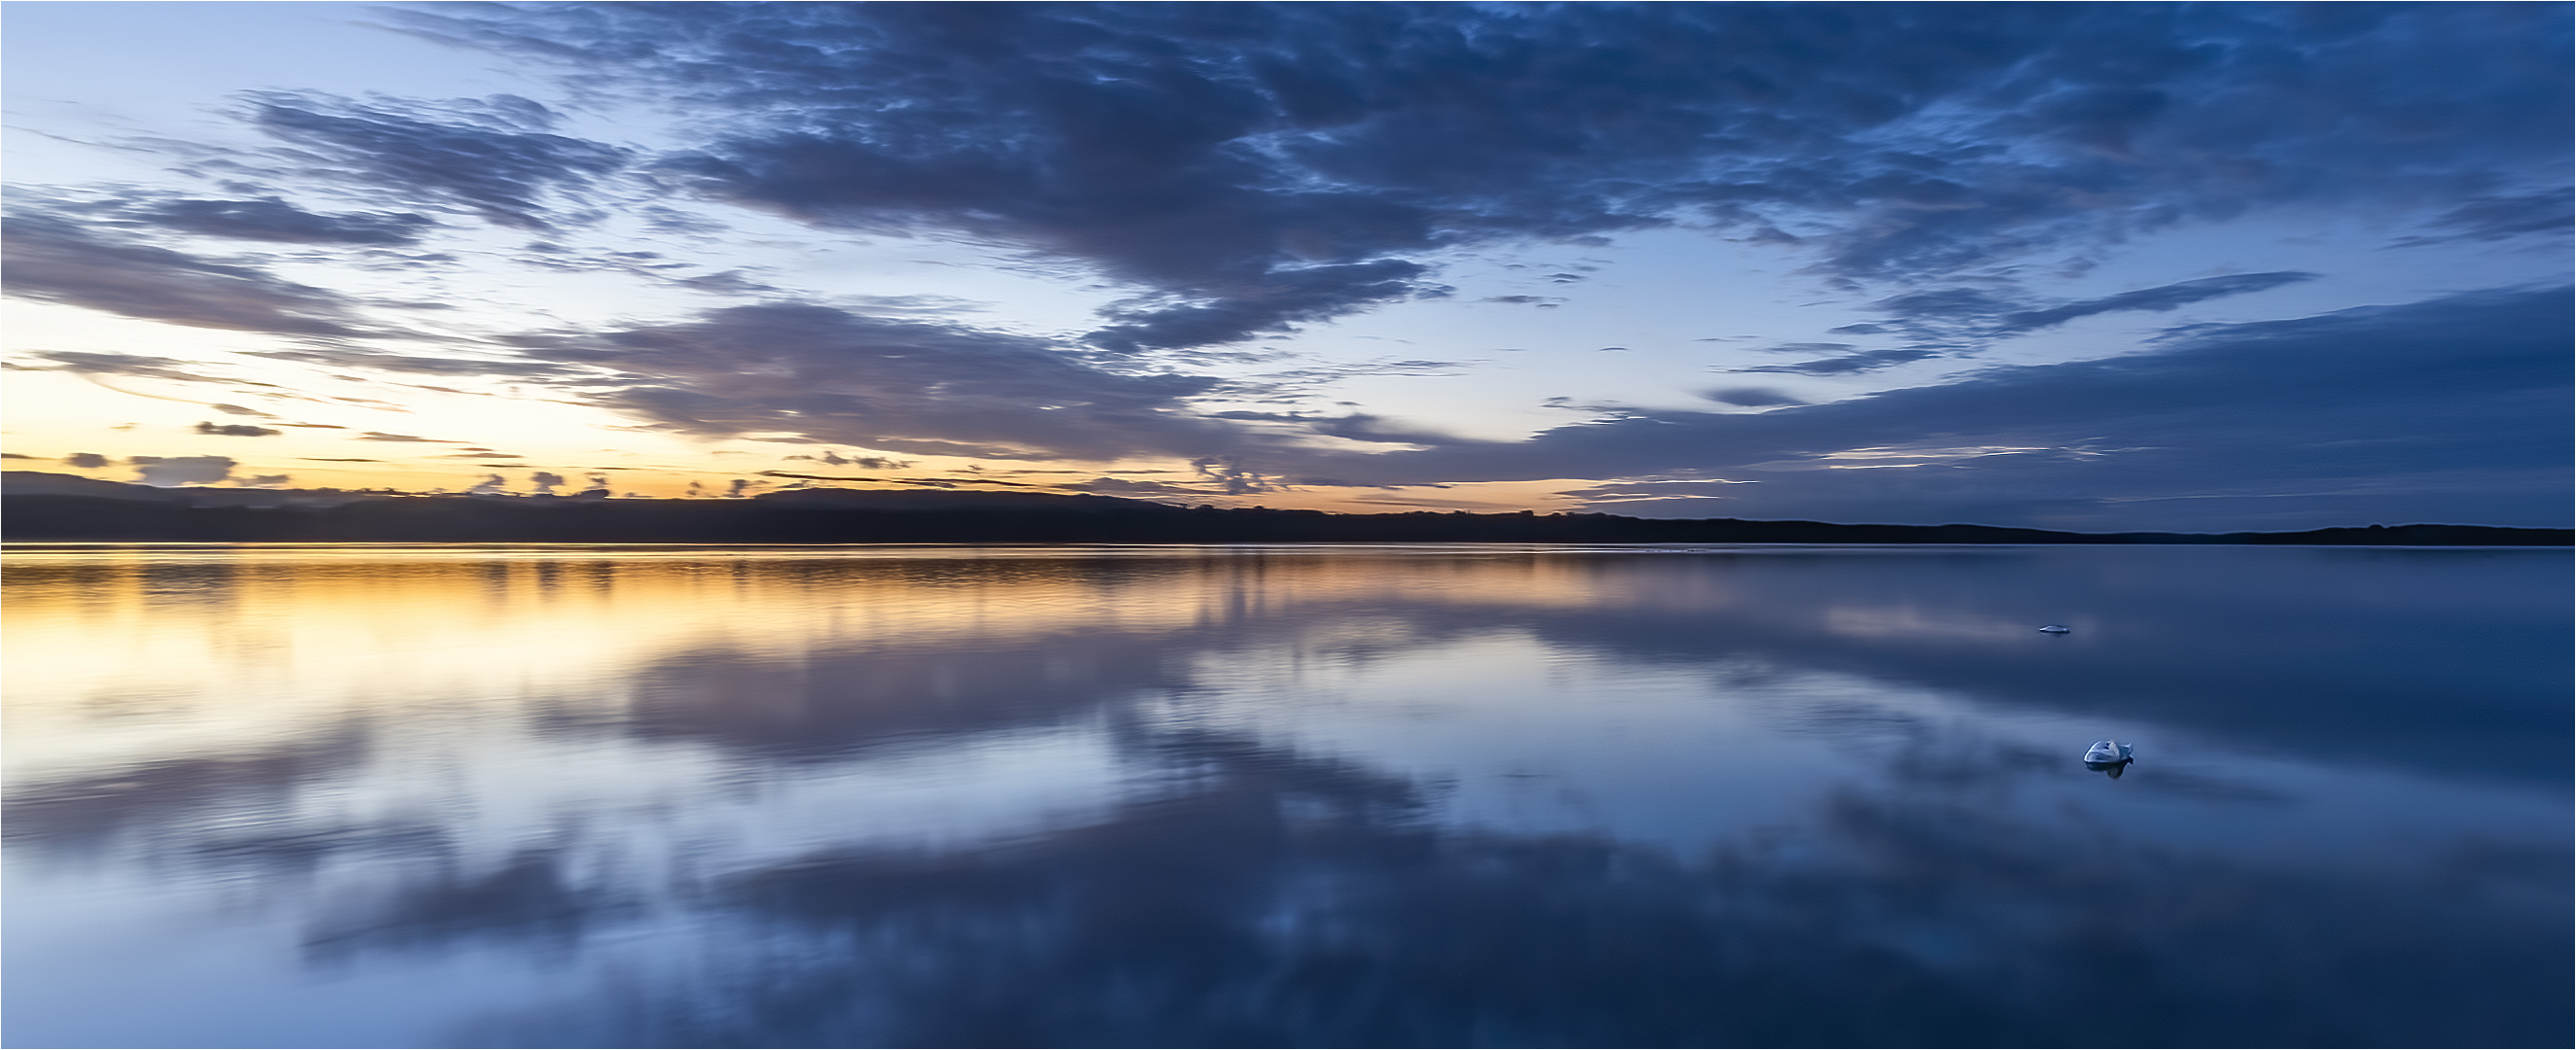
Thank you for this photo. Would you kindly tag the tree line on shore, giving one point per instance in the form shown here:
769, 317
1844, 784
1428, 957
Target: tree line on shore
822, 516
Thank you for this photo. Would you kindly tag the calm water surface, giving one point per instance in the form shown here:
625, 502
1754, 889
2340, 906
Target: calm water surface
1240, 796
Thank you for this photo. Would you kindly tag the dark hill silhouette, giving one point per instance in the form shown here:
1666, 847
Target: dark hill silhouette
952, 499
42, 507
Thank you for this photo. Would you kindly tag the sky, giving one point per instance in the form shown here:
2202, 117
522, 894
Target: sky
2198, 267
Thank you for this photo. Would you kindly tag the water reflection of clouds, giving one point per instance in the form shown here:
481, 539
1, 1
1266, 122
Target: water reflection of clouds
816, 656
1277, 899
1223, 797
1908, 622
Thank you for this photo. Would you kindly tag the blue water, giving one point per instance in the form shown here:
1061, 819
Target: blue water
1287, 796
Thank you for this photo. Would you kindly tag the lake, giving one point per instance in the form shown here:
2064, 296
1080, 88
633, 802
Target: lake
350, 796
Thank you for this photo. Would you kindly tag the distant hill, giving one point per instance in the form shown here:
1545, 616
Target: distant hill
951, 499
36, 506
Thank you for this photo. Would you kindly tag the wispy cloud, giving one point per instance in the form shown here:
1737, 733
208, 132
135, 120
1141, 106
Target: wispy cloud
51, 259
495, 156
1252, 166
139, 366
237, 430
894, 385
2458, 403
274, 220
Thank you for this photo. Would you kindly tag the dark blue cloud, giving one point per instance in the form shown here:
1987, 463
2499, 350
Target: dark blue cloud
2497, 218
271, 219
494, 156
903, 386
1865, 361
1960, 321
1979, 313
2449, 410
2160, 299
1751, 397
1283, 296
1252, 166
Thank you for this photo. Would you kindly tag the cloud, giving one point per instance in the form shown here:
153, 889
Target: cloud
1751, 397
53, 260
170, 471
494, 156
814, 477
1361, 426
1280, 297
1944, 304
271, 219
1865, 361
1296, 385
1612, 495
374, 435
728, 282
2497, 218
136, 365
1129, 487
243, 430
1248, 167
86, 461
903, 386
1959, 321
2450, 410
2165, 298
863, 462
454, 365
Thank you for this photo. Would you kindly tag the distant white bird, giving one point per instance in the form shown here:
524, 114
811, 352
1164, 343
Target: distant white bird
2055, 629
2106, 752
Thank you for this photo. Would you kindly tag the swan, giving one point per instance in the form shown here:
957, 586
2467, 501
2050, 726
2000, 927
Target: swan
2106, 752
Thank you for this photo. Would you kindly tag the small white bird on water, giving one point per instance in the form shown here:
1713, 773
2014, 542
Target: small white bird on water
2055, 629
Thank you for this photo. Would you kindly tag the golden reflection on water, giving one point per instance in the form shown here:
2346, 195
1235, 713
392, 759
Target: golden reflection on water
131, 651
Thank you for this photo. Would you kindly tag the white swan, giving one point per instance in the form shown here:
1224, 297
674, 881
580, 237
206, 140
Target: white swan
2105, 752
